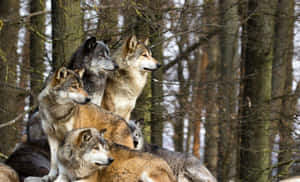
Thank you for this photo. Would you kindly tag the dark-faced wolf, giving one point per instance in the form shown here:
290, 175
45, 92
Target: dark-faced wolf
125, 85
94, 57
85, 156
186, 167
63, 107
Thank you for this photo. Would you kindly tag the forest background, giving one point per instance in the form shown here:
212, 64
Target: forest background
227, 92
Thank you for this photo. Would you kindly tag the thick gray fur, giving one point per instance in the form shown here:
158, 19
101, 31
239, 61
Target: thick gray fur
185, 166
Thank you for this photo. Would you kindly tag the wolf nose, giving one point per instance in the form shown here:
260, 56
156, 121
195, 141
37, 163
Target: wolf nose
158, 65
87, 100
110, 160
116, 66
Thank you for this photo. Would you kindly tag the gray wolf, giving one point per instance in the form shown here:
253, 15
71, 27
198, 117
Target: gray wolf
94, 57
82, 153
186, 167
7, 174
124, 86
127, 166
63, 107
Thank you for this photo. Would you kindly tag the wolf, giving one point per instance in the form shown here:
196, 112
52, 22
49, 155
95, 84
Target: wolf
124, 86
63, 106
186, 167
94, 57
82, 153
291, 179
78, 161
7, 174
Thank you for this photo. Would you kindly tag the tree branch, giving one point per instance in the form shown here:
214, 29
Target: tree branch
11, 122
186, 52
3, 156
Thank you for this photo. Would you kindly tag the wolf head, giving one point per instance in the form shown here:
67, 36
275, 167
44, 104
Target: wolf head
84, 151
94, 56
137, 133
137, 55
67, 86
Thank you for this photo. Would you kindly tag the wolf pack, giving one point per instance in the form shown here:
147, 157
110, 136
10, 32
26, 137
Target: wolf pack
82, 129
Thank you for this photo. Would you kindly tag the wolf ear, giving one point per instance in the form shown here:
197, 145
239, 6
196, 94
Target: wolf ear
132, 42
102, 132
80, 72
90, 43
146, 42
61, 73
140, 122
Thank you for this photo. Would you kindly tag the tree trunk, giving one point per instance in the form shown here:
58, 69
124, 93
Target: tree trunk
198, 101
107, 27
229, 36
157, 109
37, 49
67, 30
282, 80
10, 96
255, 126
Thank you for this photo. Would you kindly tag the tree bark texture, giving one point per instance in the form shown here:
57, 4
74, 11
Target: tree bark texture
255, 148
10, 96
67, 30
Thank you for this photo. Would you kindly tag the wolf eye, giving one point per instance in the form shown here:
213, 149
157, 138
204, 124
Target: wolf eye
145, 55
75, 86
96, 147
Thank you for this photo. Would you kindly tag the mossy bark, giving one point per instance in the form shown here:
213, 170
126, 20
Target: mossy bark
67, 30
10, 96
255, 148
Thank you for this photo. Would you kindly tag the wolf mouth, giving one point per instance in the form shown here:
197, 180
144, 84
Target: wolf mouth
149, 69
135, 143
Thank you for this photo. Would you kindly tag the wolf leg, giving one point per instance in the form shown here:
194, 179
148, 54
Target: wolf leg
53, 143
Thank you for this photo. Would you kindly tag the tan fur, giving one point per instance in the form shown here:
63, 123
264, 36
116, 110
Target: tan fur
120, 164
91, 115
7, 174
60, 113
129, 165
291, 179
125, 85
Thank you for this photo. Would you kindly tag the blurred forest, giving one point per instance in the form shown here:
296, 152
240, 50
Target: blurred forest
227, 92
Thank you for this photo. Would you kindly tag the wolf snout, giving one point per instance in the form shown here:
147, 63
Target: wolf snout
87, 100
116, 66
158, 65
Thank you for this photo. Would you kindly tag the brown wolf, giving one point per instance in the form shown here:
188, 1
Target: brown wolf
124, 86
63, 107
7, 174
84, 151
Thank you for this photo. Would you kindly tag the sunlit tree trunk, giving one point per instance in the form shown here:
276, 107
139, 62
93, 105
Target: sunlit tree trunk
255, 125
10, 96
67, 30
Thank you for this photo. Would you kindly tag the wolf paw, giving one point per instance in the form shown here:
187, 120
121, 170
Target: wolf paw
33, 179
48, 178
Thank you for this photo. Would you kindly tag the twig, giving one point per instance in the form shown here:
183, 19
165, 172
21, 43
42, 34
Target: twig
3, 156
11, 122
